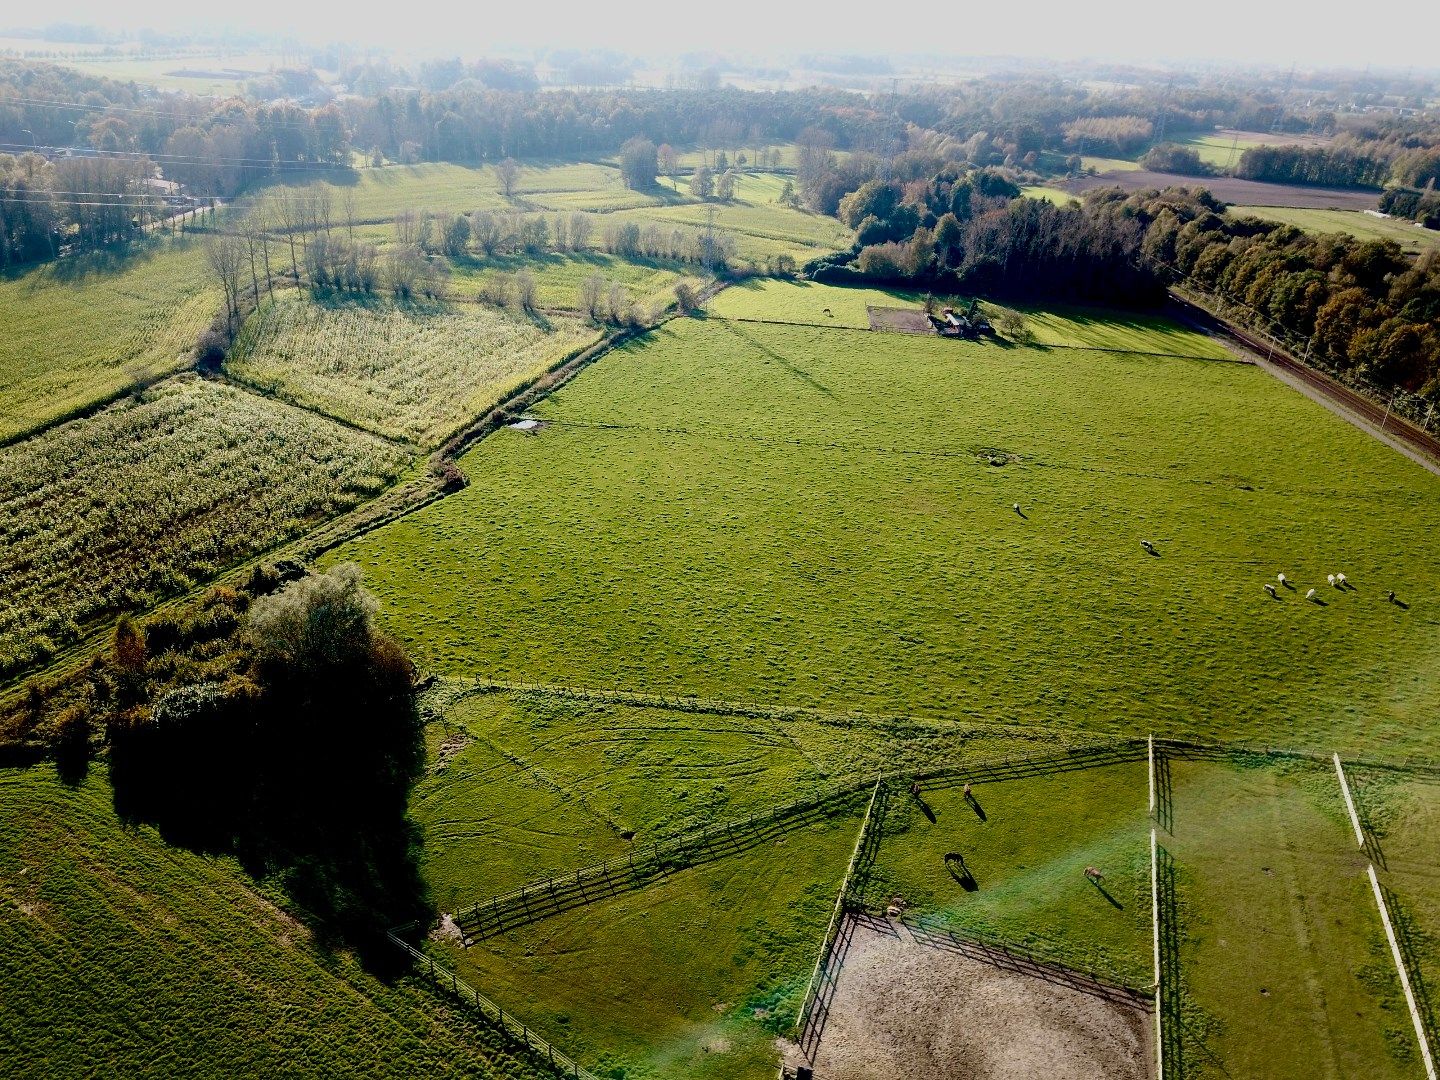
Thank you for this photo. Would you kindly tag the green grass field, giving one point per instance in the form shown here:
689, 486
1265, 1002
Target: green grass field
1027, 856
558, 278
415, 371
1286, 972
1051, 194
122, 956
810, 516
1407, 234
158, 493
1402, 815
524, 785
691, 977
75, 332
806, 303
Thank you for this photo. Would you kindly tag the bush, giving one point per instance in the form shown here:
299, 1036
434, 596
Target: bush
211, 349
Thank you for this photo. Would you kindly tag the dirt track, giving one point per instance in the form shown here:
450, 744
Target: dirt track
904, 1008
1232, 190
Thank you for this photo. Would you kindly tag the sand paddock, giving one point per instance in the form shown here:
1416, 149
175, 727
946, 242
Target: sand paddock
908, 1004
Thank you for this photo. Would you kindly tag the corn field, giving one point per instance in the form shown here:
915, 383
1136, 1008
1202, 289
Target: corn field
408, 370
157, 493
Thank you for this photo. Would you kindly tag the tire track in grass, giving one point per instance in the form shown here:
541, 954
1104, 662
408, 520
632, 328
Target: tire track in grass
1299, 913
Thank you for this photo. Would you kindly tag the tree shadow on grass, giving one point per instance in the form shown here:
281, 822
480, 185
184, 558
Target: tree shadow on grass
305, 781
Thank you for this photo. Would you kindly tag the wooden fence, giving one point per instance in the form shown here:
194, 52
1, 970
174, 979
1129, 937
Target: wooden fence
512, 1026
595, 881
822, 976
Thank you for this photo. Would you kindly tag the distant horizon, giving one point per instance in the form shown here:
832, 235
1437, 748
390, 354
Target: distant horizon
1328, 37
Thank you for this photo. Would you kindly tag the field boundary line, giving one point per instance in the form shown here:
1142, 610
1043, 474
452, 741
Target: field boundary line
1155, 936
565, 890
832, 929
1150, 772
1026, 344
1400, 969
509, 1024
560, 892
779, 713
412, 495
1349, 803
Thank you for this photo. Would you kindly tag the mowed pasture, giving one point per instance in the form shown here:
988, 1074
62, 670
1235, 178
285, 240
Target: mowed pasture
692, 976
806, 516
1008, 863
807, 303
410, 370
123, 956
1401, 818
159, 492
75, 332
523, 785
1408, 234
1280, 966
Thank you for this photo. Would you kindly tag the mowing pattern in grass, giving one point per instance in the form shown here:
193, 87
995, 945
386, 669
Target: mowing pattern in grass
814, 517
1026, 844
75, 332
120, 956
689, 978
410, 370
158, 492
1407, 234
525, 785
1286, 972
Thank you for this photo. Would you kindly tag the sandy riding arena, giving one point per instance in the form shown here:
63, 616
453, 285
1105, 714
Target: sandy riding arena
909, 1003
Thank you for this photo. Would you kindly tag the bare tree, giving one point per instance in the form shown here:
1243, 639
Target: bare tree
669, 163
508, 173
580, 229
592, 294
485, 232
405, 227
348, 202
226, 256
525, 290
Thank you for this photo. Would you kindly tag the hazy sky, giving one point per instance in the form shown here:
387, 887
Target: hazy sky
1400, 33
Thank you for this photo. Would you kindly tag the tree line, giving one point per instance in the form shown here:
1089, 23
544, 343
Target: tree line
1362, 308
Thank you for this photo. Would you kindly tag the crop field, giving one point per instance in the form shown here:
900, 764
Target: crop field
807, 516
1025, 844
690, 977
415, 371
122, 956
1407, 234
1286, 972
158, 492
74, 332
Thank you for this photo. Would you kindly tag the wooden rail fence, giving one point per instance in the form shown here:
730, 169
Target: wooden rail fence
512, 1026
